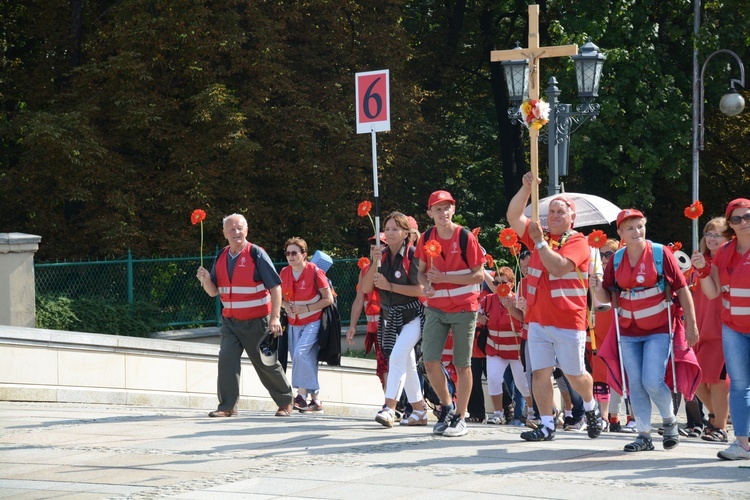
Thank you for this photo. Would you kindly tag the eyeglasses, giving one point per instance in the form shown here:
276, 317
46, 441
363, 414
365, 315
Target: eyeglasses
498, 283
608, 254
714, 235
292, 253
737, 220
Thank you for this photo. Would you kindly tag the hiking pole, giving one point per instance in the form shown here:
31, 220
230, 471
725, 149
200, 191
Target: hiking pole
671, 340
619, 352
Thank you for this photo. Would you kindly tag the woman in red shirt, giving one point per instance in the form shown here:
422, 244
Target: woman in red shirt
305, 292
714, 388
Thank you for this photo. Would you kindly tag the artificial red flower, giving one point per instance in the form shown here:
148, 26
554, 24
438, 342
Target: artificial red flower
508, 237
695, 210
288, 294
489, 260
197, 216
476, 231
503, 290
363, 262
515, 250
364, 208
432, 249
597, 239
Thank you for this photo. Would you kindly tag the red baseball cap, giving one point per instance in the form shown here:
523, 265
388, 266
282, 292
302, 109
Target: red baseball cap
628, 213
412, 222
738, 203
439, 196
571, 204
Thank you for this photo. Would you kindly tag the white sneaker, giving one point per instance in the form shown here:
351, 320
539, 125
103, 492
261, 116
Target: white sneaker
734, 452
629, 427
457, 427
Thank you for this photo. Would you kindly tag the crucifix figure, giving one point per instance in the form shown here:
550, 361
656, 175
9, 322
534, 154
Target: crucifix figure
534, 53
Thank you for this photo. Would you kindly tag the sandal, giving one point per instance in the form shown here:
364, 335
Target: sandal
495, 420
283, 411
671, 435
695, 432
385, 417
415, 418
715, 436
641, 443
475, 420
222, 413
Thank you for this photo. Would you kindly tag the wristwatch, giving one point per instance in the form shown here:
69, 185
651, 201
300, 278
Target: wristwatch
541, 244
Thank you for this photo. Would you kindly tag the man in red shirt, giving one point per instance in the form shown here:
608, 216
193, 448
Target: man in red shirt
452, 281
556, 305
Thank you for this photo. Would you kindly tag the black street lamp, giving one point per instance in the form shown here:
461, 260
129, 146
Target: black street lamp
562, 121
731, 104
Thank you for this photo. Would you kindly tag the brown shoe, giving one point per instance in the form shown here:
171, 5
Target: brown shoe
222, 413
284, 411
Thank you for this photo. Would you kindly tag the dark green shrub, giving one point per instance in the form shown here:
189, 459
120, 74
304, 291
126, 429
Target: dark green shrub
55, 313
95, 315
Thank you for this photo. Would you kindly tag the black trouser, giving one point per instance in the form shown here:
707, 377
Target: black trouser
476, 398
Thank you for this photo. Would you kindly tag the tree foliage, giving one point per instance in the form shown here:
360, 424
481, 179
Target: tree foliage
119, 119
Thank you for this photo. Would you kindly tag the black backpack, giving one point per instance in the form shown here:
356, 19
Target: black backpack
463, 241
329, 335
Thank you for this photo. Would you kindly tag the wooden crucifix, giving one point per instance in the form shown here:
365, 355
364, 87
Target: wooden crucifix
533, 53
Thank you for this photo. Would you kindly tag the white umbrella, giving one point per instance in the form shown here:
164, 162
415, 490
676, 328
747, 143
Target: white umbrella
590, 210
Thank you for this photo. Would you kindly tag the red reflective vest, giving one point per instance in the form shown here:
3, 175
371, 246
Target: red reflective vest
567, 292
242, 297
303, 291
734, 276
504, 330
450, 297
372, 306
642, 301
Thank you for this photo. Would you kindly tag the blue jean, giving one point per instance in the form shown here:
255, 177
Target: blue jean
303, 345
576, 399
645, 359
737, 356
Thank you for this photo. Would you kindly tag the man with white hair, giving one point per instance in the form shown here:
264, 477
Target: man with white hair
250, 290
556, 305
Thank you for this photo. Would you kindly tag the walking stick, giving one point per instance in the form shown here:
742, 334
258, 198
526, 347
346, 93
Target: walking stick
619, 352
671, 339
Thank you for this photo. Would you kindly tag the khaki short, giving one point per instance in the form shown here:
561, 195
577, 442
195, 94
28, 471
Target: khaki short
437, 324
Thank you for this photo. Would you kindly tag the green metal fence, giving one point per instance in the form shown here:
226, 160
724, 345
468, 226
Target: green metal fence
168, 283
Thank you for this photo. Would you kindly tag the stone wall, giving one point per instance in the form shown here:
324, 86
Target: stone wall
56, 366
17, 295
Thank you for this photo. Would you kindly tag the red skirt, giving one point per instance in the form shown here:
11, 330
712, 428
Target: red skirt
710, 354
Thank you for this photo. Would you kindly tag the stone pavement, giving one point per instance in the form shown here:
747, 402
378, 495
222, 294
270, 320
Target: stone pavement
57, 450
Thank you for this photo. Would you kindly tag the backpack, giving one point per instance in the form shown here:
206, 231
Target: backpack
463, 241
430, 395
329, 335
658, 251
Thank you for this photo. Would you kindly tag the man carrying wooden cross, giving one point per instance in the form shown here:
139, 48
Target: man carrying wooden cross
556, 305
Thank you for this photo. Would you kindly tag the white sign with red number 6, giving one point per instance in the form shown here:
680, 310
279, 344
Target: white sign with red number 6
373, 104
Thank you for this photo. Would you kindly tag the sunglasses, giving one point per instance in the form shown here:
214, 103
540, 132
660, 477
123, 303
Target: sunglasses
292, 253
608, 254
737, 219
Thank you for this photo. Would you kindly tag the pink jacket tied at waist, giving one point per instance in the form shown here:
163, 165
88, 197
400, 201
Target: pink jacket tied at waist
686, 364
